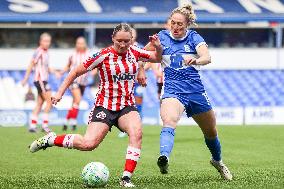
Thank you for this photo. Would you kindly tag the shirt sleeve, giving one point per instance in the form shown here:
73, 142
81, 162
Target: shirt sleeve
197, 40
37, 54
94, 61
141, 54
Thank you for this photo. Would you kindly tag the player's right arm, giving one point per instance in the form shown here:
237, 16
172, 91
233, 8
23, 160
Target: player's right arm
28, 72
73, 74
67, 66
36, 56
88, 65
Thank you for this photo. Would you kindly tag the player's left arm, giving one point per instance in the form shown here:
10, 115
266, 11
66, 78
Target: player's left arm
141, 76
153, 53
204, 56
155, 56
67, 66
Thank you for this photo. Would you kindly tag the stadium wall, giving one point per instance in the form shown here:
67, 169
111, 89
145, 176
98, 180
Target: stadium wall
225, 116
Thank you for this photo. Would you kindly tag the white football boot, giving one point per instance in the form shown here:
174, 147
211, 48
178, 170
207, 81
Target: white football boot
42, 143
222, 169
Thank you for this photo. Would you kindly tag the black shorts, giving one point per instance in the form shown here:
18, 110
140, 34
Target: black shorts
160, 86
42, 86
75, 85
101, 114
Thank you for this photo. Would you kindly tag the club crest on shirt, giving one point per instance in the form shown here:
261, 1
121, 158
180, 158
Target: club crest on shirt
186, 48
101, 115
131, 59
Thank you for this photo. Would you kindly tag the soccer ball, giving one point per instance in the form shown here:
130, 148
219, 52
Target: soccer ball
95, 174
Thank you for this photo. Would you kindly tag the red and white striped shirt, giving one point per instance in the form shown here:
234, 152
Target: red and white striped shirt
75, 59
41, 59
117, 75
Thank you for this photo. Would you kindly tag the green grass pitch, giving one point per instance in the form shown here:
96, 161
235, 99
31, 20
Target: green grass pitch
255, 156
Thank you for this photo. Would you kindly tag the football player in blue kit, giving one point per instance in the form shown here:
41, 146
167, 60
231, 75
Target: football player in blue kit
184, 51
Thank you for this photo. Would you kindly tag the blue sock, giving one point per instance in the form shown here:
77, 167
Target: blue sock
167, 141
215, 148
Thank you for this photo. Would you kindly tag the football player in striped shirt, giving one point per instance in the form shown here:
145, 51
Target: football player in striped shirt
77, 88
115, 104
40, 64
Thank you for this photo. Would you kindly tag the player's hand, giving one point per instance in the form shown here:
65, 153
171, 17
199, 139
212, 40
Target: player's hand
24, 82
189, 60
155, 41
58, 74
56, 98
141, 78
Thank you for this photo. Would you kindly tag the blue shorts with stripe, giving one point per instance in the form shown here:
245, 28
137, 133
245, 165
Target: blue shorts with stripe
190, 92
194, 103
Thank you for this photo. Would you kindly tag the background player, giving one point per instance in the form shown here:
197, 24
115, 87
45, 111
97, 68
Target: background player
77, 88
40, 64
115, 103
184, 51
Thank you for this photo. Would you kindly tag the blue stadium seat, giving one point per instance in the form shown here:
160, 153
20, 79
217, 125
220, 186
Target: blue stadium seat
17, 75
244, 87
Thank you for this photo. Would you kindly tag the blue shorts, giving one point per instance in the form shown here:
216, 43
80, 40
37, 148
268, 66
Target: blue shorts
194, 103
186, 86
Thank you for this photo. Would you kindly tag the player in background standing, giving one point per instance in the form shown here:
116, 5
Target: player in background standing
184, 51
40, 64
77, 88
115, 104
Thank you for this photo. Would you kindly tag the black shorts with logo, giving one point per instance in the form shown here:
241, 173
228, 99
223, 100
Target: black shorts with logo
76, 85
42, 86
101, 114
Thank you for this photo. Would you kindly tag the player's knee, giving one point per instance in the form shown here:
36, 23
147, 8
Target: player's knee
210, 134
170, 120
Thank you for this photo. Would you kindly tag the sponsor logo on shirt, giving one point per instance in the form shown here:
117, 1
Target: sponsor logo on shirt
123, 77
